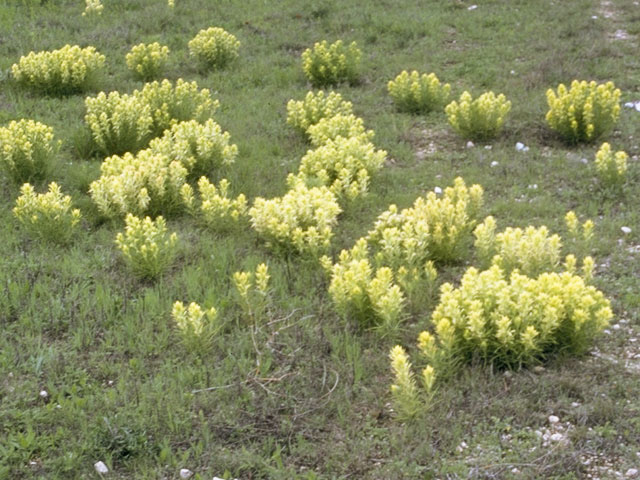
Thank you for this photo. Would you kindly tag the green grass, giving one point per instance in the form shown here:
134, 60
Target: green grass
301, 392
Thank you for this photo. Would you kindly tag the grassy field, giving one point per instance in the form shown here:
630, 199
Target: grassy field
302, 392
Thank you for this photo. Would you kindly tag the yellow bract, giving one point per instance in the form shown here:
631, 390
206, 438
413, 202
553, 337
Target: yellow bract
301, 220
345, 165
303, 114
531, 251
48, 216
214, 47
93, 7
585, 111
26, 148
217, 209
330, 64
146, 61
146, 246
67, 70
193, 320
417, 93
338, 125
433, 229
611, 168
479, 119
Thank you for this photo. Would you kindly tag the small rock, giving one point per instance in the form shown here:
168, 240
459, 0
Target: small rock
470, 144
631, 473
584, 161
494, 164
615, 326
512, 72
185, 473
553, 419
556, 437
472, 7
538, 369
594, 17
101, 468
575, 404
521, 147
44, 394
437, 190
625, 230
488, 147
515, 471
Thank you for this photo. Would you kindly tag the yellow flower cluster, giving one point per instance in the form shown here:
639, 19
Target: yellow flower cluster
581, 238
26, 148
172, 104
146, 246
611, 168
146, 61
146, 182
171, 3
193, 321
479, 119
200, 148
532, 251
331, 64
303, 114
585, 111
125, 123
93, 7
301, 220
253, 289
514, 321
417, 93
363, 292
118, 123
214, 47
217, 210
339, 125
49, 215
433, 229
345, 165
67, 70
405, 391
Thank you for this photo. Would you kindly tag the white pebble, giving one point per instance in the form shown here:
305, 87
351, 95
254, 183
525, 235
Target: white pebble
556, 437
470, 144
488, 147
553, 419
494, 164
185, 473
101, 468
44, 394
437, 190
519, 146
631, 473
625, 230
472, 7
615, 326
575, 404
594, 17
512, 72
